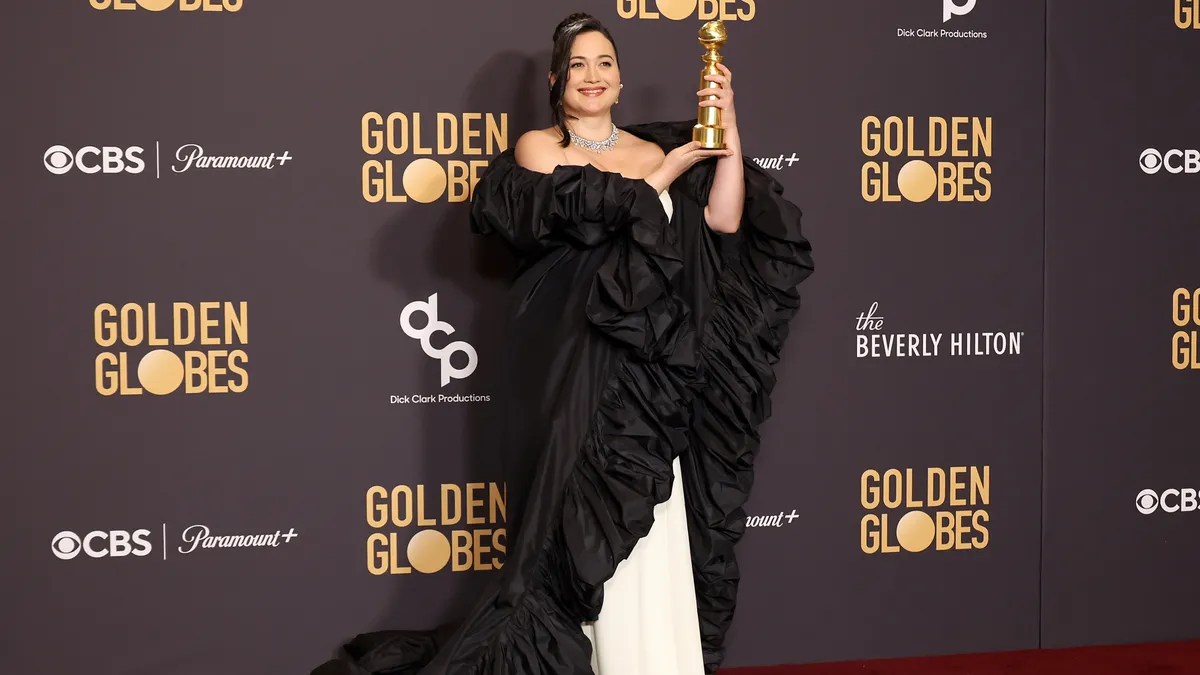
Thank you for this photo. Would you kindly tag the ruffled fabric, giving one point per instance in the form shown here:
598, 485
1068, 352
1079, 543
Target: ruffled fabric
630, 299
755, 297
676, 390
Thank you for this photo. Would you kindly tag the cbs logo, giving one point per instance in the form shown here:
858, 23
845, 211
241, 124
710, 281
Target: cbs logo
432, 325
1149, 501
59, 159
100, 544
1174, 161
160, 5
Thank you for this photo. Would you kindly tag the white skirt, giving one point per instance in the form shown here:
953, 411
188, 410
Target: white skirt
648, 623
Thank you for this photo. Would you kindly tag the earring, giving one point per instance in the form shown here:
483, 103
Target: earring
619, 88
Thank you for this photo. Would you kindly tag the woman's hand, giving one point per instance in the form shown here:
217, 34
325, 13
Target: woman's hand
724, 96
680, 160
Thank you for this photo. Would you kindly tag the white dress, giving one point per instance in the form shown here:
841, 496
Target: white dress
648, 623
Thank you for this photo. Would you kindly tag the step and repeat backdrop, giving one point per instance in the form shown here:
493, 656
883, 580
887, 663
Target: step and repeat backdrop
1122, 369
252, 340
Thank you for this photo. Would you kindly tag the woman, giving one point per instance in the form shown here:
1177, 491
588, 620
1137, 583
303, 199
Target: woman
653, 299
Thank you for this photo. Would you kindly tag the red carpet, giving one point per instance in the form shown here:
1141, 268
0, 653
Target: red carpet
1168, 658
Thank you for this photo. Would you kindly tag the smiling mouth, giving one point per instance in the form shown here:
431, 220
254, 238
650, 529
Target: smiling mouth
592, 92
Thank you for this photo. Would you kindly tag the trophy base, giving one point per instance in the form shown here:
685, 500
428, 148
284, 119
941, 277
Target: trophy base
710, 138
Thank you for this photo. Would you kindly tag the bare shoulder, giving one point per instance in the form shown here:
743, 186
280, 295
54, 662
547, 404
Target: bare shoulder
648, 155
538, 150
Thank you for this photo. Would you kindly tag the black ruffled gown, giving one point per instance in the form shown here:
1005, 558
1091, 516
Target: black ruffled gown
633, 340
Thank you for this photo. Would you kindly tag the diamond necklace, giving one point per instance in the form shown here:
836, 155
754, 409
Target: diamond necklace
595, 146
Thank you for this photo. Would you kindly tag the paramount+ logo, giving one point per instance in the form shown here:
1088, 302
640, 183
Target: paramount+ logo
678, 10
1187, 14
161, 5
915, 159
198, 347
411, 154
460, 526
914, 509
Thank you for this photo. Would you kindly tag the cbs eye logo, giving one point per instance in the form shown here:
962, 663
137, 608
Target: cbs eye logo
1147, 502
59, 159
120, 543
1151, 161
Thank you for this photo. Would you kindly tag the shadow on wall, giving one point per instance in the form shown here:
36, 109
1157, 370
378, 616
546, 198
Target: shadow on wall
477, 270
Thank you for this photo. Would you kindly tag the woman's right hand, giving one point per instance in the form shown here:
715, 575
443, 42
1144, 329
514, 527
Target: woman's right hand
680, 160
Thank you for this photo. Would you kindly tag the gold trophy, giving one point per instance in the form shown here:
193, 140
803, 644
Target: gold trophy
708, 131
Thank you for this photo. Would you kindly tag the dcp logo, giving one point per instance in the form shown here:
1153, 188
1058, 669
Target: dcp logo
1174, 161
1170, 501
120, 543
429, 309
952, 8
59, 159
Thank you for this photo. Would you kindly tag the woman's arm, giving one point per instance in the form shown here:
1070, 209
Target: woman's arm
728, 193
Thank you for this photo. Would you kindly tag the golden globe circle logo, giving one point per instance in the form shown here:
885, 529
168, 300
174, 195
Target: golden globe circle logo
128, 369
1187, 14
430, 177
914, 160
678, 10
943, 508
1185, 344
160, 5
468, 513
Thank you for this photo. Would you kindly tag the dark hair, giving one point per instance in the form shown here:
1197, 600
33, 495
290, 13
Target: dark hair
560, 61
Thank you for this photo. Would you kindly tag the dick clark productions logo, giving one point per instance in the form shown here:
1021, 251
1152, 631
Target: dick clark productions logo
432, 325
951, 8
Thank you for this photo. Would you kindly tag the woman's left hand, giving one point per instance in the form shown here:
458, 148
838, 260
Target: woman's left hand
724, 96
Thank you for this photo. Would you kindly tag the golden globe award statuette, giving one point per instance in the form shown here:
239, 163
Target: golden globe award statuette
708, 131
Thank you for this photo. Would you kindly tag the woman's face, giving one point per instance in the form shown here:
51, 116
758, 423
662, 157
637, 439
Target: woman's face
593, 79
